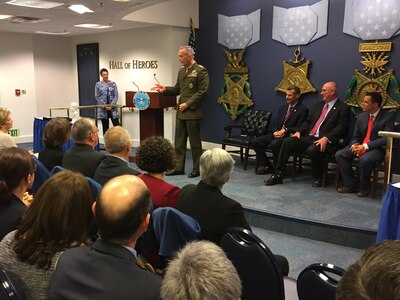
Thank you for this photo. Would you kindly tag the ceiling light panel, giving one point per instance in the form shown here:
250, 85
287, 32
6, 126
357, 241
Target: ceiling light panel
80, 9
35, 3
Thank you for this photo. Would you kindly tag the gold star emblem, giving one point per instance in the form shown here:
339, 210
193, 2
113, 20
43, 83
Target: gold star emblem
296, 75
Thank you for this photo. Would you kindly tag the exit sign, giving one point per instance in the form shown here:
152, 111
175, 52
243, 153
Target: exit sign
13, 132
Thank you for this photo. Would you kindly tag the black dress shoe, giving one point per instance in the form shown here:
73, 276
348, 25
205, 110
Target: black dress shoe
194, 174
174, 172
317, 182
363, 193
348, 189
266, 170
274, 179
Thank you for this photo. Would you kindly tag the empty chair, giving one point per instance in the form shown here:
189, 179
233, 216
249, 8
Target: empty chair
41, 174
255, 123
319, 281
257, 267
7, 288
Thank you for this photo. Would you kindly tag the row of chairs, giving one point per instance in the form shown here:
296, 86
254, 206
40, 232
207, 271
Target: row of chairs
260, 274
42, 174
256, 122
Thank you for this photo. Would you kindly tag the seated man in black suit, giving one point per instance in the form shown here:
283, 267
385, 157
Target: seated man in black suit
365, 144
320, 133
82, 157
118, 143
290, 116
109, 269
215, 212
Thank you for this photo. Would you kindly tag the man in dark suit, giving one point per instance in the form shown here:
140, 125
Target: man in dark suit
118, 143
320, 133
365, 144
109, 269
192, 86
290, 116
82, 157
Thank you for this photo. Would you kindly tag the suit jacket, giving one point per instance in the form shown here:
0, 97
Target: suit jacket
11, 212
51, 157
215, 212
336, 123
384, 121
111, 167
82, 158
298, 116
192, 86
102, 271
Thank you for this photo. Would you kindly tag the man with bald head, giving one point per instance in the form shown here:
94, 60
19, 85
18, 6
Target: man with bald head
109, 268
328, 122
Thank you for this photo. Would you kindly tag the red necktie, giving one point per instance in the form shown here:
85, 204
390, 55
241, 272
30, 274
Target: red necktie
320, 120
287, 116
368, 135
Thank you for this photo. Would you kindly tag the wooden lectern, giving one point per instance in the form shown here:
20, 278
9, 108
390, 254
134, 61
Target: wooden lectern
152, 118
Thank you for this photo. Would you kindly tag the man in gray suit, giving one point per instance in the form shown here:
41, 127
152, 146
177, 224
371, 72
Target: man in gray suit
192, 86
110, 269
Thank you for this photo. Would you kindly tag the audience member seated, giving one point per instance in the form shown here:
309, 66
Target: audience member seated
201, 270
17, 172
109, 268
6, 123
82, 157
375, 276
55, 135
215, 212
156, 155
365, 144
326, 125
58, 218
118, 143
290, 116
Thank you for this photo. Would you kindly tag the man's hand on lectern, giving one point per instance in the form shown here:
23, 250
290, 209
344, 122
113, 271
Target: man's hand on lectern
159, 88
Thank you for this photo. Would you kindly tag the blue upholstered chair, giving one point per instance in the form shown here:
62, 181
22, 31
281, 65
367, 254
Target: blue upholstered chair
41, 174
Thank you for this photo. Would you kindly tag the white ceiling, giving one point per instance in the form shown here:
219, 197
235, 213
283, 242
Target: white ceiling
61, 19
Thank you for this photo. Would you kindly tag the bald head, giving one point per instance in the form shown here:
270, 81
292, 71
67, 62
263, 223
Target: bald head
122, 207
329, 91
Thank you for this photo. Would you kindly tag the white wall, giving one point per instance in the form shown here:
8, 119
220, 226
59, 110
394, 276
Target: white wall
17, 72
45, 66
158, 43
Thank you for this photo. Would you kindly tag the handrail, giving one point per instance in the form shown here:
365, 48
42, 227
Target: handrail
89, 106
388, 156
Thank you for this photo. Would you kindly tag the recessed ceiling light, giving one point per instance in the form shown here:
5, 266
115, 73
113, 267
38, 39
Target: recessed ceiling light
121, 0
3, 17
35, 3
94, 26
53, 32
80, 9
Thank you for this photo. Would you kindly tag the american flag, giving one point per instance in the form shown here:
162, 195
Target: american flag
192, 36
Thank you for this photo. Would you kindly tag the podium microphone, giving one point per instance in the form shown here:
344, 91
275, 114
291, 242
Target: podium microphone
136, 86
156, 78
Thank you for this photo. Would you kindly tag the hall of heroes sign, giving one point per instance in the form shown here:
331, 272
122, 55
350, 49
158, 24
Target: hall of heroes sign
134, 64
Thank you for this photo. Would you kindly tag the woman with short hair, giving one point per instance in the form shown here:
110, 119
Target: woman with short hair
55, 135
6, 123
